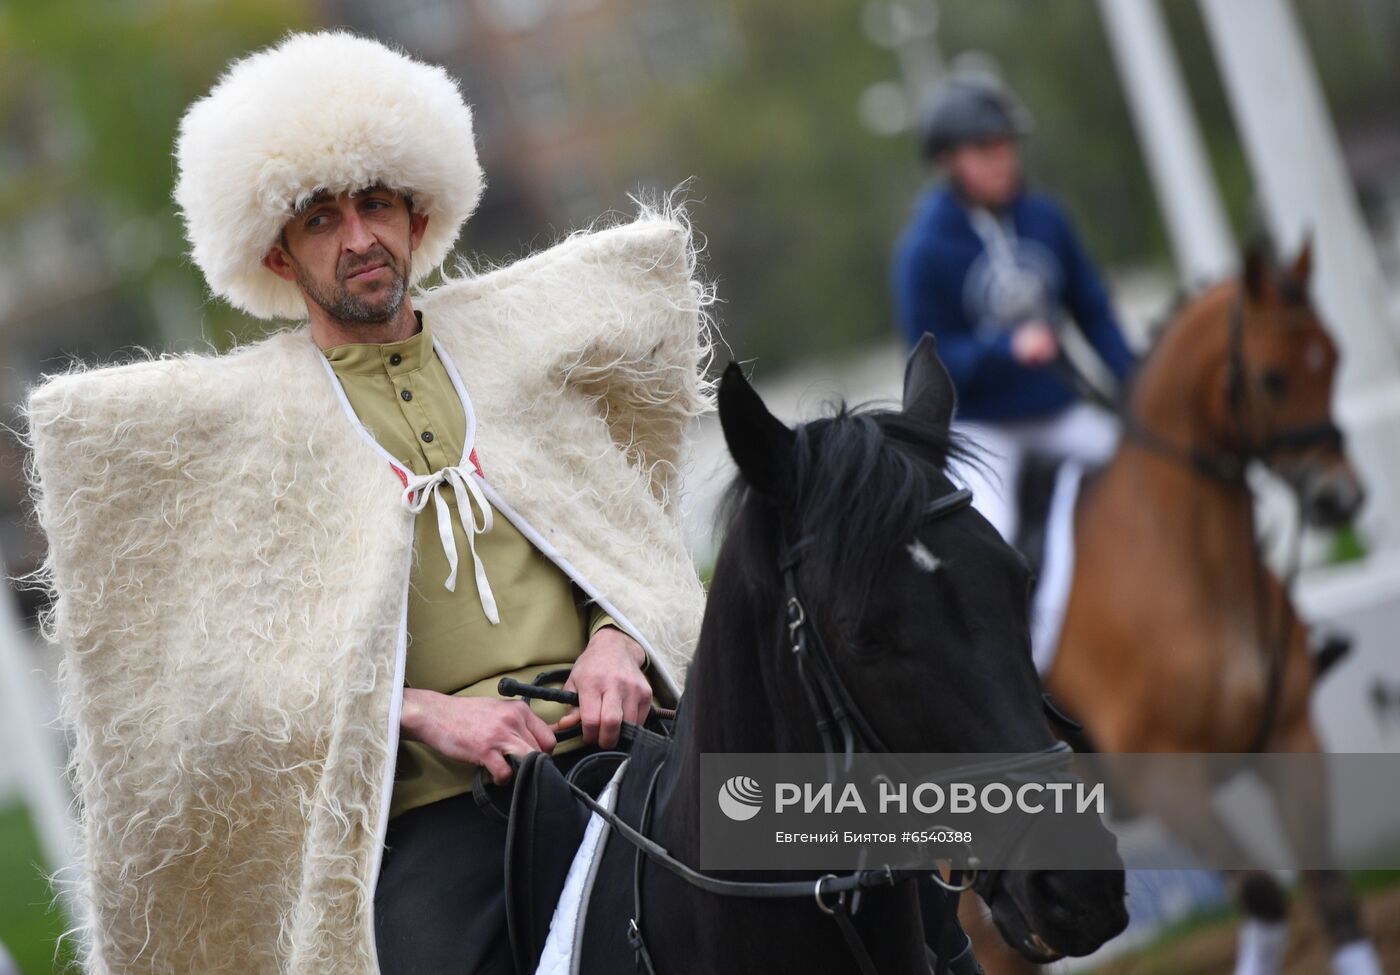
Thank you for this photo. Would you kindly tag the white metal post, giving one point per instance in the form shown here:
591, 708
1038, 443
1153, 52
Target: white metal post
1303, 184
1171, 140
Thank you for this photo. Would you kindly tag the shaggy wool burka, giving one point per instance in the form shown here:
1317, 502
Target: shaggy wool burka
229, 556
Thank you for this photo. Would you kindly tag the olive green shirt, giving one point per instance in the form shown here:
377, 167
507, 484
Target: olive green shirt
401, 391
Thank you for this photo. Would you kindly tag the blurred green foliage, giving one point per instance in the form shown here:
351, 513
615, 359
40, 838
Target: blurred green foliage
114, 77
30, 922
802, 205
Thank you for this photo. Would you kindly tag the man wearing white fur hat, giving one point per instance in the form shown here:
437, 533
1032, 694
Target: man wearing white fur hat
281, 568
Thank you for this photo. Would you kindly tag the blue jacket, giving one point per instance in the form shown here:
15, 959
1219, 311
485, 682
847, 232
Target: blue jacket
946, 282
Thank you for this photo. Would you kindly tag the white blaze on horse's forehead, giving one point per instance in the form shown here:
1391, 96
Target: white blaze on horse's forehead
922, 557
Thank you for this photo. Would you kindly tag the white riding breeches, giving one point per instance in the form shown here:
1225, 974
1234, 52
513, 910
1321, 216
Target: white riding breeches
1083, 432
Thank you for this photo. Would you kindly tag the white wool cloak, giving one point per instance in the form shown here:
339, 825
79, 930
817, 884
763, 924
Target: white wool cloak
229, 559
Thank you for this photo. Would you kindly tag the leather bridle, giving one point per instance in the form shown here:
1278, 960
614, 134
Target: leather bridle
1228, 464
844, 728
838, 716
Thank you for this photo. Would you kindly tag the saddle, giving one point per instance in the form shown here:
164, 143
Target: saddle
1035, 487
545, 826
1036, 484
1048, 490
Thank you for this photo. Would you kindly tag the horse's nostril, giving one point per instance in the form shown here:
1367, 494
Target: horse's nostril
1334, 503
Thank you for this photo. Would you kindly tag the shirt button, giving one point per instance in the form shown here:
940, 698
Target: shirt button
427, 436
407, 395
395, 359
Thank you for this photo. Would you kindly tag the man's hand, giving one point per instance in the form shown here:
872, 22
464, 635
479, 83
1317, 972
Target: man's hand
483, 730
610, 685
1034, 343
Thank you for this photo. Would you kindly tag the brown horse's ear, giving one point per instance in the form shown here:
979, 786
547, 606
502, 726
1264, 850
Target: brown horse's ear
1258, 267
929, 394
759, 442
1302, 264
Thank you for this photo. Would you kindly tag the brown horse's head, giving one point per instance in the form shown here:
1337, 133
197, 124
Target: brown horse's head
1273, 401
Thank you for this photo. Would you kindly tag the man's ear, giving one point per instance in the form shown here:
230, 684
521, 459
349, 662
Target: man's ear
279, 263
417, 226
759, 442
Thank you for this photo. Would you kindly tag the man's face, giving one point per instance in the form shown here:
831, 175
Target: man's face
350, 254
989, 173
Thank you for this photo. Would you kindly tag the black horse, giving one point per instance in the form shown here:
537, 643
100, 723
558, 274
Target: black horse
923, 621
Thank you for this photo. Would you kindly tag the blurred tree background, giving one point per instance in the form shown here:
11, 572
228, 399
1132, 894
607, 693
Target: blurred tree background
800, 201
96, 91
802, 204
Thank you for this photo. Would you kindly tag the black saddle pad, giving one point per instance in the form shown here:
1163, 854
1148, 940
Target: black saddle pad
545, 829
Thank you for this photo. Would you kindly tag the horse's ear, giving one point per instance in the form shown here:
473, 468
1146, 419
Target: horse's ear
1301, 270
1258, 266
929, 395
759, 442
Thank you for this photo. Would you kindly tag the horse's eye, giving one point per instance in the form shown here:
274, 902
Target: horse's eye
859, 639
1275, 383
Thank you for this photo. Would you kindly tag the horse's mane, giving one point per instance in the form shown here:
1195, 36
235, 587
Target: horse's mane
1164, 323
862, 476
1163, 320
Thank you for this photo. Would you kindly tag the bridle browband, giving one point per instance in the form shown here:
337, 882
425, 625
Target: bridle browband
1229, 464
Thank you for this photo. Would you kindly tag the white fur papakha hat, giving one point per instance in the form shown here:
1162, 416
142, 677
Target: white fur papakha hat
322, 111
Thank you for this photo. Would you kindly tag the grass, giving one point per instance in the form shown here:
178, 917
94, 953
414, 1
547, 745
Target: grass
29, 922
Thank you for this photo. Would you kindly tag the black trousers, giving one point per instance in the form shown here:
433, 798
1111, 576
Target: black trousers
440, 903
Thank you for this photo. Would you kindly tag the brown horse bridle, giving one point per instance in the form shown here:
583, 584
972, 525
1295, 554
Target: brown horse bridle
1230, 467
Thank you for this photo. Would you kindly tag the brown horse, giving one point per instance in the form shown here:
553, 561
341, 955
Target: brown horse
1176, 636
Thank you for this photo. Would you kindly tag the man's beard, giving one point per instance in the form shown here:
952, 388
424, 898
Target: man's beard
347, 308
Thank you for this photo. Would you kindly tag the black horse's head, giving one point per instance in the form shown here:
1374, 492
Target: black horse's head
925, 618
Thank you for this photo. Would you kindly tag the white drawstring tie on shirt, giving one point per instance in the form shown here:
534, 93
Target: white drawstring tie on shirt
466, 490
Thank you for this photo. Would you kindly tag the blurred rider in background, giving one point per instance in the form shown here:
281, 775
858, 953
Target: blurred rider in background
995, 272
